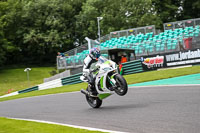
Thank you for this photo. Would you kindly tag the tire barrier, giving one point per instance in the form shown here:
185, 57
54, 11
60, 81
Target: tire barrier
74, 79
128, 68
21, 91
51, 84
29, 89
132, 67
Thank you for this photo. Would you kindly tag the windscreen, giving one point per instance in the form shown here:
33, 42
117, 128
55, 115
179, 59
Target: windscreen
102, 59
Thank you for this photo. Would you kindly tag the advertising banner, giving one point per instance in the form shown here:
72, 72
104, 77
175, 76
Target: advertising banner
153, 62
179, 58
183, 58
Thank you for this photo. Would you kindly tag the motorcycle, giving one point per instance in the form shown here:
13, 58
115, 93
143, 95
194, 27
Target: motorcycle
107, 82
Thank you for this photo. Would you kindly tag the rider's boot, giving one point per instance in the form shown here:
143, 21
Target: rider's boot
92, 90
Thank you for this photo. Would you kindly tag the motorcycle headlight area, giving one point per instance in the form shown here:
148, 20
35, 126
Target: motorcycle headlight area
107, 69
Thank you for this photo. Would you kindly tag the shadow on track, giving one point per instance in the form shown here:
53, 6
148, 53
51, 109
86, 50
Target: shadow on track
120, 107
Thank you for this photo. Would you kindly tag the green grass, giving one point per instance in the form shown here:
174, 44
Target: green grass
67, 88
131, 79
21, 126
16, 79
161, 74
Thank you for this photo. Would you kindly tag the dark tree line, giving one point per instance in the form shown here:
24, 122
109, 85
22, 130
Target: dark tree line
32, 31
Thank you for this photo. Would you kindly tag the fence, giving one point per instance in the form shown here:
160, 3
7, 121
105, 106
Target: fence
133, 31
161, 44
74, 57
181, 24
169, 40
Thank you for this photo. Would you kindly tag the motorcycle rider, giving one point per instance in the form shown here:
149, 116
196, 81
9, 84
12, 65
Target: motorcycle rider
92, 57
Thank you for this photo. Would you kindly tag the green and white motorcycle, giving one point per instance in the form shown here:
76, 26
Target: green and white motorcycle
107, 82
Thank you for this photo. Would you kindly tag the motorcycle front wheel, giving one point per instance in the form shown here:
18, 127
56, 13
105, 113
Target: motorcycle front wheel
94, 102
121, 84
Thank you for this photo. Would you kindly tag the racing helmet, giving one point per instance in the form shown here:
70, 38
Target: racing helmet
95, 53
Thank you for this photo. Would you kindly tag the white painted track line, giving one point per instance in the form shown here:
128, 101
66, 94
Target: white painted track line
74, 126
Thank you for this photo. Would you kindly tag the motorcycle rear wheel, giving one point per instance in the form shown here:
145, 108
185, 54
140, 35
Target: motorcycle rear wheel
94, 102
121, 84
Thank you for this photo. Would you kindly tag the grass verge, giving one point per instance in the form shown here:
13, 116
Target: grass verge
16, 79
21, 126
161, 74
131, 79
67, 88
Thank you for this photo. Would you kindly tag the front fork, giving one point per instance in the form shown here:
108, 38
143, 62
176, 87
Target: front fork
112, 80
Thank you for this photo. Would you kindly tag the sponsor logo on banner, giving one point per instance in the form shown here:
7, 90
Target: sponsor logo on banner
153, 61
183, 58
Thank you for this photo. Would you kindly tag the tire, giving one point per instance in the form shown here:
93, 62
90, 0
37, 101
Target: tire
94, 102
121, 84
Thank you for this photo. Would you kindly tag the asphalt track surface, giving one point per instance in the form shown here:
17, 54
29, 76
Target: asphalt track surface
161, 109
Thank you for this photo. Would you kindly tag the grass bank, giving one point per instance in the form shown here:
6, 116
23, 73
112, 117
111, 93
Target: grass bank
131, 79
16, 79
21, 126
161, 74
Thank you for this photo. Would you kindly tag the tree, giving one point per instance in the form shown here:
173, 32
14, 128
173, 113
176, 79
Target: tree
191, 9
32, 31
38, 29
167, 10
117, 15
5, 44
